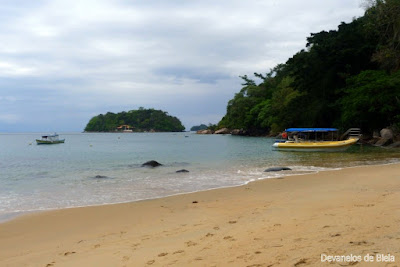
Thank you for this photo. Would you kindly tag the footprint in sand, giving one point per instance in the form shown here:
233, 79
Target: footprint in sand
151, 262
190, 243
230, 238
162, 254
361, 243
364, 205
69, 253
300, 262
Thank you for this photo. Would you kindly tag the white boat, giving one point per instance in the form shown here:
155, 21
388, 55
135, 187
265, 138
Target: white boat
50, 139
312, 140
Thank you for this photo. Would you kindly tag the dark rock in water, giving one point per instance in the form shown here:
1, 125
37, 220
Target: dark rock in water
101, 177
151, 163
183, 170
277, 169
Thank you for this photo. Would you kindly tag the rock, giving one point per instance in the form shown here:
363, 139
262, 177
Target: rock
101, 177
386, 133
373, 140
151, 163
235, 132
223, 131
375, 134
394, 145
238, 132
277, 169
204, 132
183, 170
383, 142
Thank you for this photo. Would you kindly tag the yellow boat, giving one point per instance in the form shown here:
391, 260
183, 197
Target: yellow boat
299, 140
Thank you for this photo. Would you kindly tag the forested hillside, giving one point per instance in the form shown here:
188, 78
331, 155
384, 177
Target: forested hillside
140, 120
344, 78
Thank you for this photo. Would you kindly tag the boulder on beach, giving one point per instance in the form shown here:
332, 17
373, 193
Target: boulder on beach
383, 142
183, 170
151, 163
204, 132
386, 133
277, 169
394, 145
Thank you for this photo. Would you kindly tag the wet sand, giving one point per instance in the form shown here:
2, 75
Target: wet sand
274, 222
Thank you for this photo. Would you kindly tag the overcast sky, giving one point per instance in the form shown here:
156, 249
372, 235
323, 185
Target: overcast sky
63, 62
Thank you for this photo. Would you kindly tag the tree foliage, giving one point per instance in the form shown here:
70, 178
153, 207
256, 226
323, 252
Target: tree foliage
141, 120
198, 127
344, 77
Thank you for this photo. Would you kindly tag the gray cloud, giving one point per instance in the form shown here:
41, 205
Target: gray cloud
76, 59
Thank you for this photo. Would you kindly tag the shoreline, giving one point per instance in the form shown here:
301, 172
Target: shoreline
336, 212
6, 217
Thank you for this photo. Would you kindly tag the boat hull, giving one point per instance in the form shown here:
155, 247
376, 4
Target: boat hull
324, 146
46, 142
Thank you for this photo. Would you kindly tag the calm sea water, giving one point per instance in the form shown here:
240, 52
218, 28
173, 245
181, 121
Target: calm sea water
40, 177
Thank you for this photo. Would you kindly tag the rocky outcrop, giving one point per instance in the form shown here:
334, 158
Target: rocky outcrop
386, 133
239, 132
204, 132
383, 142
385, 137
394, 145
223, 131
151, 163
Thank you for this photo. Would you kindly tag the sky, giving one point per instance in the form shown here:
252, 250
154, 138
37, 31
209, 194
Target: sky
63, 62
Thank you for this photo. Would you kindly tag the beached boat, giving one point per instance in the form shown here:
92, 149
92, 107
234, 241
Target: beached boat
50, 139
313, 140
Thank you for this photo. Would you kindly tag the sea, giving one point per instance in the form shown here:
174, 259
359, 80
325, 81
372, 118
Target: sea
104, 168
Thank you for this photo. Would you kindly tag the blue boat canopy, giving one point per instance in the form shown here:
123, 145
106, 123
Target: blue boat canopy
310, 130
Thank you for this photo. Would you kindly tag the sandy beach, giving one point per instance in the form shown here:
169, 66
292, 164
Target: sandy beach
354, 213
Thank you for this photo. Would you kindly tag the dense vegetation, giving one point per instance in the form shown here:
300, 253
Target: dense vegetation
140, 120
348, 77
199, 127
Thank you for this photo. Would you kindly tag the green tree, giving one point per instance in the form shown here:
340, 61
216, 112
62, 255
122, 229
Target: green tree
372, 100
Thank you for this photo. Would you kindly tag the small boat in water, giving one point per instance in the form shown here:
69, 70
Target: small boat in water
50, 139
313, 140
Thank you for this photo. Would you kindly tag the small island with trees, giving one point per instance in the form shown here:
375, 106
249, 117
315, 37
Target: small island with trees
141, 120
199, 127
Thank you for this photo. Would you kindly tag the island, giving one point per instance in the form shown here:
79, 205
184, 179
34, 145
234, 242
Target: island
199, 127
141, 120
